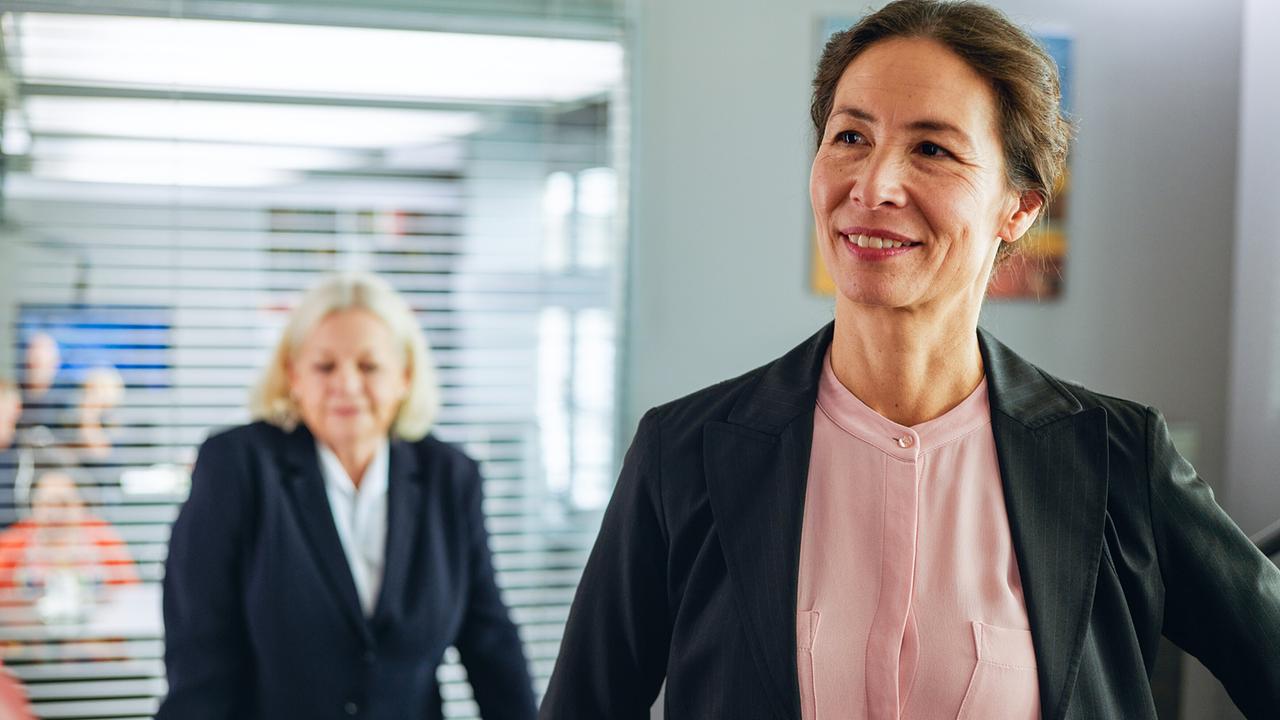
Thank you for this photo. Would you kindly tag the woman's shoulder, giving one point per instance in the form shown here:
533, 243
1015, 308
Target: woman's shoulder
1128, 421
1026, 390
432, 452
258, 432
444, 470
245, 445
431, 445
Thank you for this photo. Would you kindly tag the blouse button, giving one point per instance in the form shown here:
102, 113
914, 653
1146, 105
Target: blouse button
906, 441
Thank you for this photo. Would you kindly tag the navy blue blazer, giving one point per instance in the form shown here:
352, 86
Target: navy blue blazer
693, 576
262, 620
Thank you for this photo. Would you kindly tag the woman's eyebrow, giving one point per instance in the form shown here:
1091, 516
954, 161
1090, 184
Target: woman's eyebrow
925, 124
937, 126
856, 114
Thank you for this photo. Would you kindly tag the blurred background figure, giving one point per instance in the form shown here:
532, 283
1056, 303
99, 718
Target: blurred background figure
101, 391
13, 699
63, 557
10, 410
41, 405
42, 360
333, 550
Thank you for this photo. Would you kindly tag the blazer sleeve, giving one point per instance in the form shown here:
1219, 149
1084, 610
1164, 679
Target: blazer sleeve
207, 655
613, 656
1222, 596
488, 643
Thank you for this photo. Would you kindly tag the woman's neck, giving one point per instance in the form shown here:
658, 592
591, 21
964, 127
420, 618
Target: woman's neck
908, 366
355, 457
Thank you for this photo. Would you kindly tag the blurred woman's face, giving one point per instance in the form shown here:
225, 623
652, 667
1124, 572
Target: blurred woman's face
56, 505
908, 185
348, 379
10, 411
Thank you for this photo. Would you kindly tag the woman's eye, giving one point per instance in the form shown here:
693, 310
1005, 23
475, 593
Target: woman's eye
323, 367
368, 368
848, 137
929, 149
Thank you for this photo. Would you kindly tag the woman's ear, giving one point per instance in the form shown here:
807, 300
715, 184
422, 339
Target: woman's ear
1030, 204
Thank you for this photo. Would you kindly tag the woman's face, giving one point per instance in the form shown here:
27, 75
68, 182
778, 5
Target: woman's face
911, 166
348, 379
56, 505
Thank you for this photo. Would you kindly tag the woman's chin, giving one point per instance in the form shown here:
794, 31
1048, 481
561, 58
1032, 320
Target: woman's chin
871, 295
347, 431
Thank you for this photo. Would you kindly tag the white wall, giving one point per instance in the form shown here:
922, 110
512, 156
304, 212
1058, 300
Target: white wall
1253, 464
719, 259
719, 262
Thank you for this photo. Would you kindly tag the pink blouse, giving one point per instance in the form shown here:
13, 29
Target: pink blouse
910, 604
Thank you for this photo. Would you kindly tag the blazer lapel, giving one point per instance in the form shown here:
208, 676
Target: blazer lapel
404, 509
757, 465
1053, 462
307, 491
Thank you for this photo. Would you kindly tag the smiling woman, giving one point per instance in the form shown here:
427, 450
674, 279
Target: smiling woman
331, 552
349, 381
922, 173
902, 518
352, 366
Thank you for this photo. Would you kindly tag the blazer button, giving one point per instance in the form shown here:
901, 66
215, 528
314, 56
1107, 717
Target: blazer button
351, 708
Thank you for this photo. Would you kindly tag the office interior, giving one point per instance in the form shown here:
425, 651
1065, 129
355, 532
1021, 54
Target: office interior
593, 206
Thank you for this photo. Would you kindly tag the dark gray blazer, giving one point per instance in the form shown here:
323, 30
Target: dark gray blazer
693, 576
262, 620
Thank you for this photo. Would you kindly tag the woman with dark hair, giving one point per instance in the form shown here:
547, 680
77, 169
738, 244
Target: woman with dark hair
902, 518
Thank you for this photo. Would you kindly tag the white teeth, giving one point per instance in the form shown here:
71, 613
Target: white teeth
874, 243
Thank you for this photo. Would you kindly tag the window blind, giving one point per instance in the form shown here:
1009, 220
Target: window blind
159, 227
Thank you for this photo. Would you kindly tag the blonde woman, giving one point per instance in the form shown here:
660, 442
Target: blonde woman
332, 550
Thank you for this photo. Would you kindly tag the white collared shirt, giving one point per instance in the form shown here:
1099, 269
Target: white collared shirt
360, 514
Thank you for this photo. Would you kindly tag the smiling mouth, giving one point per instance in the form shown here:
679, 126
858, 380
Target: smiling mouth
871, 242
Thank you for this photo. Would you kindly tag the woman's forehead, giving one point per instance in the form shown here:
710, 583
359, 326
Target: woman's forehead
350, 332
915, 82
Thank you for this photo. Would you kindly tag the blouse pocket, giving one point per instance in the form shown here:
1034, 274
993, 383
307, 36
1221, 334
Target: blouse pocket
1004, 682
806, 633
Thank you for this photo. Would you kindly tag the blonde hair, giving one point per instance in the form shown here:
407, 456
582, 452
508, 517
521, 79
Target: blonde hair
271, 401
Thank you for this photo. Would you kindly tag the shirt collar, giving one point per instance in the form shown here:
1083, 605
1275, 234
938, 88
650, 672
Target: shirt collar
856, 418
337, 480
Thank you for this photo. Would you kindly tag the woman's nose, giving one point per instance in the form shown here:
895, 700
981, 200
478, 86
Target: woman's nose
346, 378
879, 183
